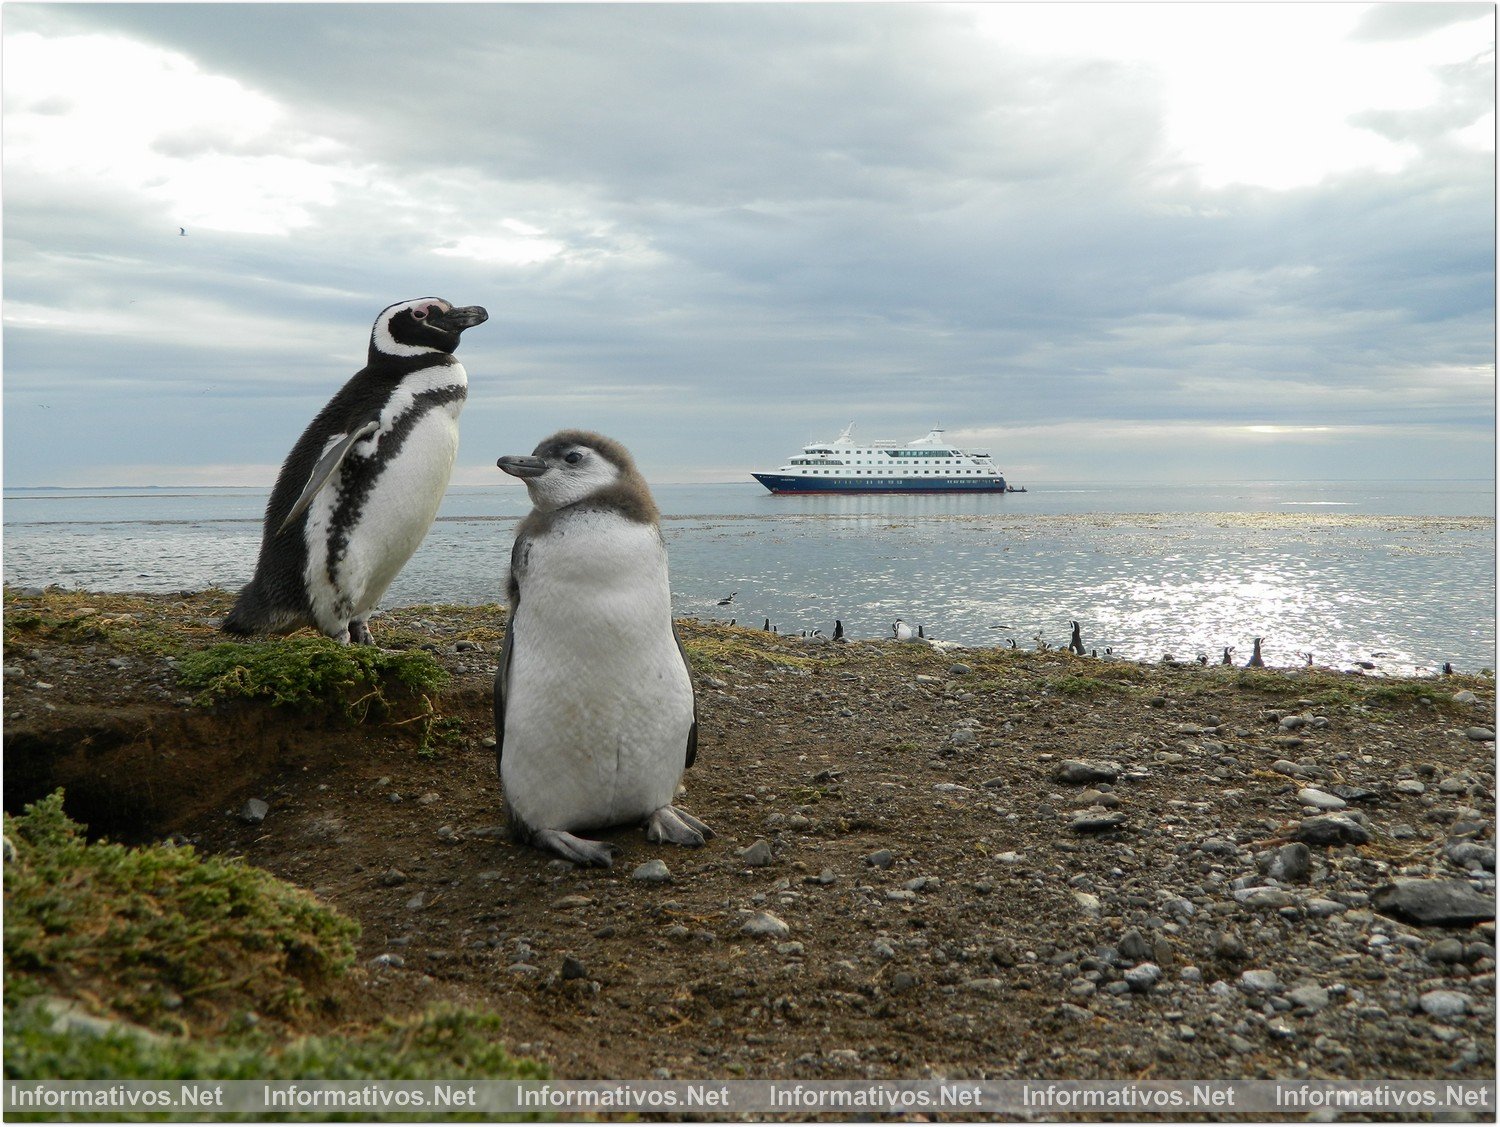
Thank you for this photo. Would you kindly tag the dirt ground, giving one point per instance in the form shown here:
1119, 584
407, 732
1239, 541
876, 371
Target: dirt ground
952, 908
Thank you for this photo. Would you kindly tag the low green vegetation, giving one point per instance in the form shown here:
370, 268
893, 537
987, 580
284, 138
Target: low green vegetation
164, 933
161, 963
309, 671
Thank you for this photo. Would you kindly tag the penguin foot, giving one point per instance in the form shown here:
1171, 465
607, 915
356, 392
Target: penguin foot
359, 633
677, 826
580, 851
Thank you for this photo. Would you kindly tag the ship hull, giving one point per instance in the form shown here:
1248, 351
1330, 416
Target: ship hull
791, 483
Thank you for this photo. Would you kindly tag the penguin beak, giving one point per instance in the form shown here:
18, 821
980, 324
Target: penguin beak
457, 320
522, 465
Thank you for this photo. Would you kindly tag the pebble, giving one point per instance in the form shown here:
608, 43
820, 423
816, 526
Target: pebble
880, 859
1465, 696
1292, 862
1443, 1003
1079, 771
958, 669
1446, 951
985, 985
765, 924
388, 960
1259, 981
654, 871
572, 968
429, 798
392, 877
1470, 855
949, 788
1142, 978
1331, 829
1311, 796
1311, 997
1436, 903
1410, 786
254, 812
1089, 823
1480, 734
1264, 897
566, 903
963, 737
757, 855
1133, 946
882, 949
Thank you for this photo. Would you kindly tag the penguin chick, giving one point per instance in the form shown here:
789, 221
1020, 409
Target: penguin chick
361, 487
595, 718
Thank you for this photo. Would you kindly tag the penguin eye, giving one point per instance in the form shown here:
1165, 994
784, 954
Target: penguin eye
573, 457
419, 314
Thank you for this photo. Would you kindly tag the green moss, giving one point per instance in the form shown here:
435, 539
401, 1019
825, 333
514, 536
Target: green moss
1074, 685
306, 672
446, 1044
163, 933
160, 940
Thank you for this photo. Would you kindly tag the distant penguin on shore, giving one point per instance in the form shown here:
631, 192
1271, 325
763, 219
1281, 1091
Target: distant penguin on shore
595, 716
901, 631
362, 485
1255, 661
1228, 656
838, 630
1076, 643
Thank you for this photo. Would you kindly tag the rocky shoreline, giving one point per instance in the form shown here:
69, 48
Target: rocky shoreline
984, 864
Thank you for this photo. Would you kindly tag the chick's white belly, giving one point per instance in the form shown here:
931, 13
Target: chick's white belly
598, 711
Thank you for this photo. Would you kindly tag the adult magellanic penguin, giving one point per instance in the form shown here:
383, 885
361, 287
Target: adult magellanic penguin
595, 719
362, 485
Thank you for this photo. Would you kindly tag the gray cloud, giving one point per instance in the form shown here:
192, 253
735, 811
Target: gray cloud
771, 219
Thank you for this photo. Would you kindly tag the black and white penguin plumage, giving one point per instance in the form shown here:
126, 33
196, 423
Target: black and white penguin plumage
1255, 661
362, 485
595, 717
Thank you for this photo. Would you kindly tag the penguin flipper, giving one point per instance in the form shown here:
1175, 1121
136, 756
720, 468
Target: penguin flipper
692, 740
325, 468
502, 677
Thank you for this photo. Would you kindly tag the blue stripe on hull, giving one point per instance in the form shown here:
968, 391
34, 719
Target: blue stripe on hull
787, 483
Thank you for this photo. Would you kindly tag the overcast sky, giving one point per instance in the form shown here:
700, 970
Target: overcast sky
1175, 241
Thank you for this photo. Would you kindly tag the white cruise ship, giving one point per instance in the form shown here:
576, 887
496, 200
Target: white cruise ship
923, 465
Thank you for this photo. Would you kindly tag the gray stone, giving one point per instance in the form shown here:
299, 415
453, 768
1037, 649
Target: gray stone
1259, 982
763, 924
1322, 800
963, 737
1445, 951
1470, 855
1263, 898
1480, 734
1464, 696
69, 1017
1291, 863
756, 855
1311, 997
572, 967
1079, 771
654, 871
388, 960
1133, 947
1142, 978
254, 812
1331, 829
1443, 1003
1434, 903
880, 859
1409, 786
1090, 823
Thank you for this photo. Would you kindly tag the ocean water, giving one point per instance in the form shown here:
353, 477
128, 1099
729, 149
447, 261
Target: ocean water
1398, 574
